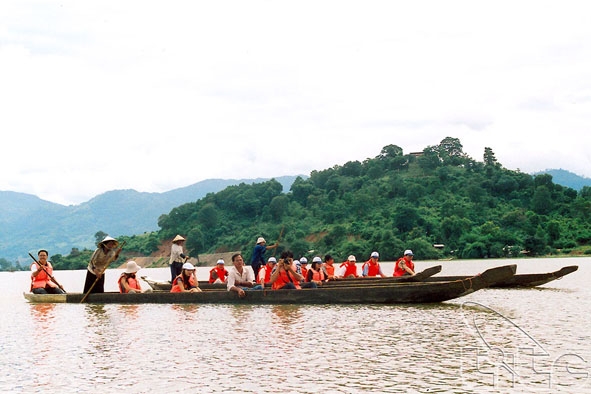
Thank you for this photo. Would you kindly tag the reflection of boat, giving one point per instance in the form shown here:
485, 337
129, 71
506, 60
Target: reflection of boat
419, 277
519, 280
394, 293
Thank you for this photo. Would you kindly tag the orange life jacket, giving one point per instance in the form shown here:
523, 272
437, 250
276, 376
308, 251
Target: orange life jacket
133, 283
317, 275
222, 274
42, 279
399, 271
304, 272
176, 288
329, 269
267, 272
284, 278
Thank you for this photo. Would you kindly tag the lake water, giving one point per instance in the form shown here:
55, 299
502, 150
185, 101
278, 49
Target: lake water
494, 340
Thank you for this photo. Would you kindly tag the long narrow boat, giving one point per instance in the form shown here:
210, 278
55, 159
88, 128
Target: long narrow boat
419, 277
518, 280
395, 293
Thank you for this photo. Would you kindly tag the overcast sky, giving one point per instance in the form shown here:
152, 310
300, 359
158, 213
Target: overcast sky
156, 95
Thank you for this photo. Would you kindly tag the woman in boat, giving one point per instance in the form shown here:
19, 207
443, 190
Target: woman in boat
41, 276
404, 265
177, 257
186, 282
128, 283
315, 272
329, 267
105, 253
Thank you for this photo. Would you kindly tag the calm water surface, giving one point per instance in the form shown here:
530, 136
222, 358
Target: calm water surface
497, 340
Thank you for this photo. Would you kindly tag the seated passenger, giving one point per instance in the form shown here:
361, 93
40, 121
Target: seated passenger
241, 278
128, 283
316, 272
42, 281
404, 265
218, 274
285, 276
348, 269
371, 268
186, 282
265, 271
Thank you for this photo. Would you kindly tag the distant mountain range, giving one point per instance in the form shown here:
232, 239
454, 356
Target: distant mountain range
28, 223
567, 178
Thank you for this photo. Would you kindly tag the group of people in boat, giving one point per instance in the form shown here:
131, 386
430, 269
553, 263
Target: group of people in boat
283, 273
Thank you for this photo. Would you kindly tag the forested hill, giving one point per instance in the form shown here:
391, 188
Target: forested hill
388, 203
392, 202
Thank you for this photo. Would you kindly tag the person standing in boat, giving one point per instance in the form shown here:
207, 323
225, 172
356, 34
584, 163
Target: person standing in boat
404, 265
219, 273
258, 254
240, 277
105, 253
128, 283
177, 257
186, 282
371, 267
41, 273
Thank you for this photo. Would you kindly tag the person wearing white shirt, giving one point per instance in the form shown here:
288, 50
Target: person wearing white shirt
241, 277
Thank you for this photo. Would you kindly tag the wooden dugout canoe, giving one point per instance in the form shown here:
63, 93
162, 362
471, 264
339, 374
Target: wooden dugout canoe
419, 277
396, 293
518, 280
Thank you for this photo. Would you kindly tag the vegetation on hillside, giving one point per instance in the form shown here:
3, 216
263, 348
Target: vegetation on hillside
392, 202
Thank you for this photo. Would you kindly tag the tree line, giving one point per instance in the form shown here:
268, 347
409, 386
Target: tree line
440, 203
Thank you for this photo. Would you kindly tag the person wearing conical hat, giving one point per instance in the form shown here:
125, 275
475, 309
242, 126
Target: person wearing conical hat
177, 257
105, 253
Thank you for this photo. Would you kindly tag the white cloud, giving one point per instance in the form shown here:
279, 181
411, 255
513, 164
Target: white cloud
157, 95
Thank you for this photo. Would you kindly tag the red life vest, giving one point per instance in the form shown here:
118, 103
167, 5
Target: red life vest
176, 288
372, 269
42, 279
399, 271
350, 269
317, 276
133, 283
304, 272
267, 272
221, 272
284, 278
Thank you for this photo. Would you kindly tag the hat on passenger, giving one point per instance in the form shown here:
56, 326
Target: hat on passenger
317, 260
132, 267
107, 239
351, 258
188, 266
272, 260
178, 238
260, 240
408, 252
221, 261
375, 254
303, 260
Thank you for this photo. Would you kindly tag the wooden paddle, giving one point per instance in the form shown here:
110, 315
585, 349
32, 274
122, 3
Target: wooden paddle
48, 274
278, 239
98, 277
